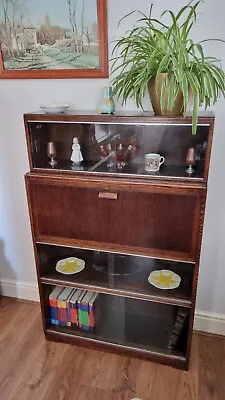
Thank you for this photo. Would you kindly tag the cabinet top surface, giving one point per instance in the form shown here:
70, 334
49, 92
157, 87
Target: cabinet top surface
131, 116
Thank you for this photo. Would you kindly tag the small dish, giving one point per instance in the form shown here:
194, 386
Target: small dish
54, 108
70, 265
164, 279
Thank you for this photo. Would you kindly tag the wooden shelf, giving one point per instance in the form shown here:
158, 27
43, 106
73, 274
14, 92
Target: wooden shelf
108, 247
131, 279
131, 323
169, 357
131, 170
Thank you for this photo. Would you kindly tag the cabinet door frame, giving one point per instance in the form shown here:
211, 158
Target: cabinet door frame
110, 187
206, 119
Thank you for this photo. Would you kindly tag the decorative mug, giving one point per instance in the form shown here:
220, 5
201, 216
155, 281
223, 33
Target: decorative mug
153, 161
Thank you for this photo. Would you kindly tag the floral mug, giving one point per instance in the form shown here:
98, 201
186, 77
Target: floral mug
153, 162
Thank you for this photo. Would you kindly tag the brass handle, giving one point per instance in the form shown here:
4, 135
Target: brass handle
108, 195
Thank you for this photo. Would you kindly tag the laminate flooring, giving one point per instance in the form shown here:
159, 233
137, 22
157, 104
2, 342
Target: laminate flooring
32, 368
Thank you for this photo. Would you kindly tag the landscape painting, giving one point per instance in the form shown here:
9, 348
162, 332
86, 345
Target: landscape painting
53, 38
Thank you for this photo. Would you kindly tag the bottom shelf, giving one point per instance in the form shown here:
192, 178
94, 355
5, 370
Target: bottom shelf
136, 326
167, 357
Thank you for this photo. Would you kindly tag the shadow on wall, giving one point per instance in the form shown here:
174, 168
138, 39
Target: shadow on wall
6, 271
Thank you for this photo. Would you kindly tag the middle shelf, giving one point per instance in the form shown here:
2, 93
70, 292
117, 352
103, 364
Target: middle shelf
118, 274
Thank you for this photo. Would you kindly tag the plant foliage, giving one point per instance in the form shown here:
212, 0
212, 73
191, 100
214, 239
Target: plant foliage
153, 47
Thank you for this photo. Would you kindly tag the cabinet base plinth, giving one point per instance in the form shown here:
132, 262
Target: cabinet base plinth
170, 358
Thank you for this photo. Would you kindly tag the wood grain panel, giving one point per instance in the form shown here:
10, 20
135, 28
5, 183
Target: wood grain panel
160, 218
152, 220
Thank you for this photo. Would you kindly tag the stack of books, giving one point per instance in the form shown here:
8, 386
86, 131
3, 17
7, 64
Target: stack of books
74, 307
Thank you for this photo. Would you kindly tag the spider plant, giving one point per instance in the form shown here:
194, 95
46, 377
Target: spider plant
153, 48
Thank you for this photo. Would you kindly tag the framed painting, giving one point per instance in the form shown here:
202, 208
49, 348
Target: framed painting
53, 39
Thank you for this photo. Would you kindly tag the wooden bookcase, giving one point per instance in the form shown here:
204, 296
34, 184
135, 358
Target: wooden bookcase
123, 222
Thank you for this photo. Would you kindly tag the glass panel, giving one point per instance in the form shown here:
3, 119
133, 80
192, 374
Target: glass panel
121, 320
119, 148
123, 273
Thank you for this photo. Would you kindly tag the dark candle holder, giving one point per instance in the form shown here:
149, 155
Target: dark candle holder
51, 152
190, 160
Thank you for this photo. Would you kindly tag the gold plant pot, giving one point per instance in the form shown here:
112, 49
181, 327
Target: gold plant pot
154, 89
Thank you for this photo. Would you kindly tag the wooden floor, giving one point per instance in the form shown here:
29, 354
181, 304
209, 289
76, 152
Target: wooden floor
32, 368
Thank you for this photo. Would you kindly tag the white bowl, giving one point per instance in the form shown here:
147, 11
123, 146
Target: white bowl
54, 108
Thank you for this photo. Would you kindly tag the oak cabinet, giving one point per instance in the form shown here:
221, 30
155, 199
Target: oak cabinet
123, 222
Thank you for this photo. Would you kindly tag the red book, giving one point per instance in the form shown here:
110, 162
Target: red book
54, 296
62, 304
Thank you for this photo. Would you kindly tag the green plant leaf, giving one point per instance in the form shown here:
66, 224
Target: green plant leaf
155, 46
163, 93
171, 92
184, 89
195, 113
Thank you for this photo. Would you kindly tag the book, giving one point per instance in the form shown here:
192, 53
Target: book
68, 315
179, 323
53, 304
62, 305
93, 311
80, 310
85, 310
73, 306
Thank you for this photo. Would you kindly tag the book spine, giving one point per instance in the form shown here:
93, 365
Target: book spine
91, 317
53, 311
81, 313
85, 322
92, 312
54, 316
73, 313
68, 316
179, 323
62, 315
68, 308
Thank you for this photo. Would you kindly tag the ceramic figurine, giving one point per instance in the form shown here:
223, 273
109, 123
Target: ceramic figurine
106, 104
76, 156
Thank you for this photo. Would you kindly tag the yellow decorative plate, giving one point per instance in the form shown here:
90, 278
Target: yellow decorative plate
164, 279
70, 265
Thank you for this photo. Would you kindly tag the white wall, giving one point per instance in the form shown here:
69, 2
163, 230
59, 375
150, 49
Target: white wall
21, 96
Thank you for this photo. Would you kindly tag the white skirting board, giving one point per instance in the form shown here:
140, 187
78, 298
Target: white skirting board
209, 322
19, 290
204, 321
